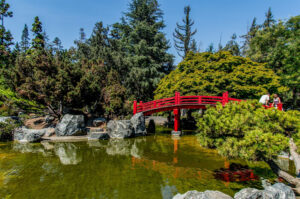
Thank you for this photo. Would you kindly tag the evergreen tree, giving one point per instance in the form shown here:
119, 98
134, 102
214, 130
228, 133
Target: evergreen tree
25, 39
5, 37
57, 45
250, 34
38, 41
183, 35
210, 48
4, 12
232, 46
269, 21
83, 48
145, 48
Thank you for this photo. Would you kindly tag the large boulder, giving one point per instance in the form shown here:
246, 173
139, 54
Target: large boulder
202, 195
249, 193
276, 191
280, 191
120, 129
29, 135
71, 125
138, 123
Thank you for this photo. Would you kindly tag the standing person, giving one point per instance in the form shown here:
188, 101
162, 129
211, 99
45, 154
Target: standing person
265, 99
276, 100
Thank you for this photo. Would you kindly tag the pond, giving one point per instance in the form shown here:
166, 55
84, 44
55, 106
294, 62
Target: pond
156, 166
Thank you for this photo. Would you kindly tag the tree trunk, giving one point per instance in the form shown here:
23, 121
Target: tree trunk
295, 155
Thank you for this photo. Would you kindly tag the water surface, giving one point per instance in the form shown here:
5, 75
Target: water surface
157, 166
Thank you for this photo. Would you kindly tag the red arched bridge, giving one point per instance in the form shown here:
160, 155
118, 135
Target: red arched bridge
183, 102
180, 102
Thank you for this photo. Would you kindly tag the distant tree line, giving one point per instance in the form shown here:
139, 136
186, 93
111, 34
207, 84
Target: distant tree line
104, 72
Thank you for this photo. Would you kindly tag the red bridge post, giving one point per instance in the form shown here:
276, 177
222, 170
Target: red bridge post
225, 98
176, 119
134, 107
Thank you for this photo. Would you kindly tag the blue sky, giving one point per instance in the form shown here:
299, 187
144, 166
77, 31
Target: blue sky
213, 18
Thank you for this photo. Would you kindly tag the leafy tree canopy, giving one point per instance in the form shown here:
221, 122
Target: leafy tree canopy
212, 74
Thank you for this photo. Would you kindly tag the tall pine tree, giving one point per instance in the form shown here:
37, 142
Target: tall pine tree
183, 35
145, 46
25, 39
232, 46
269, 21
38, 41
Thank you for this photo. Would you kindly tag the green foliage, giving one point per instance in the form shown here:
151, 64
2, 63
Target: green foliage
278, 45
7, 128
247, 130
213, 74
141, 42
37, 29
12, 104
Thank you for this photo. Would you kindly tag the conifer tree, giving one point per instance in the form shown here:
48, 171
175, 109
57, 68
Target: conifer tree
145, 46
183, 35
269, 21
25, 39
232, 46
38, 41
5, 36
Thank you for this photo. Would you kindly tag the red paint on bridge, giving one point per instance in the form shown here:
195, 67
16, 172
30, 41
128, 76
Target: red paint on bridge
180, 102
184, 102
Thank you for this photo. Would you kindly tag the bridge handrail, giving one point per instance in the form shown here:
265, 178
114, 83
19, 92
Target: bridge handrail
178, 100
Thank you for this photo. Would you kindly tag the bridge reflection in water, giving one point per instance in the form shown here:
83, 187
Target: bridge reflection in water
231, 172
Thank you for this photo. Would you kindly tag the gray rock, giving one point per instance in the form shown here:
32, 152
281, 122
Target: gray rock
202, 195
29, 135
138, 123
120, 129
49, 132
98, 136
99, 121
249, 193
71, 125
280, 191
49, 119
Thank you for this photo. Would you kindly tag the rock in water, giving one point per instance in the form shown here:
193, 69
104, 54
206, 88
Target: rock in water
138, 123
249, 193
280, 191
29, 135
120, 129
202, 195
71, 125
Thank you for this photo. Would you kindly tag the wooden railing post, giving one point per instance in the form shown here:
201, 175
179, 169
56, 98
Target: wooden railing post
279, 106
154, 104
134, 107
199, 99
177, 98
141, 105
225, 98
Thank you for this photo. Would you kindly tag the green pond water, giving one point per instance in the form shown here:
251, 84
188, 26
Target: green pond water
156, 166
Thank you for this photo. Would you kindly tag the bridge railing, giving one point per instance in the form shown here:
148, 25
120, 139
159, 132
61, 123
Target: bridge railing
178, 100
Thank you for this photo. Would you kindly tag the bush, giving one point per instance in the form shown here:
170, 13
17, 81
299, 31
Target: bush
247, 130
7, 128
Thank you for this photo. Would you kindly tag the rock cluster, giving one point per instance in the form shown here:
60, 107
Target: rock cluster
276, 191
127, 128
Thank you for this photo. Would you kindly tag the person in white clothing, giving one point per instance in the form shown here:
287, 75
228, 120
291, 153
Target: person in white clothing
265, 99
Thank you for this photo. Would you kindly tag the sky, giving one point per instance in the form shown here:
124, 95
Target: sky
215, 20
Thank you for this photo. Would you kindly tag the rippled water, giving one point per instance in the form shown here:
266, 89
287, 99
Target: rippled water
157, 166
